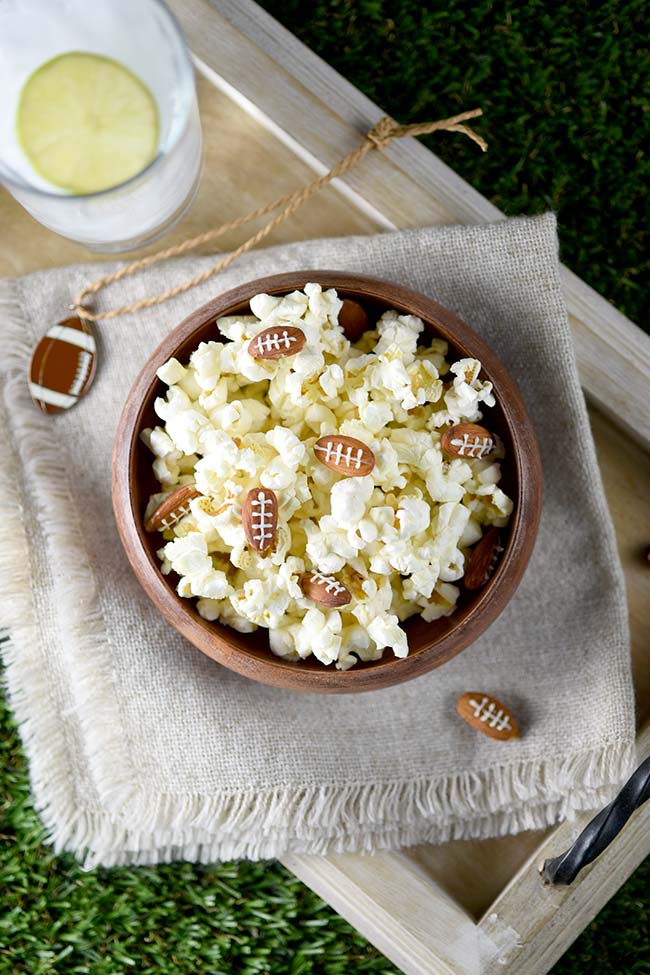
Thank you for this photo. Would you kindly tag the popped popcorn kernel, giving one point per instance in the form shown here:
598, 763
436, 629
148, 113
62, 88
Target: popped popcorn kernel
396, 535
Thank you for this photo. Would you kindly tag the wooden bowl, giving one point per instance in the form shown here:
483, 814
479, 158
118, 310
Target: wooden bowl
431, 644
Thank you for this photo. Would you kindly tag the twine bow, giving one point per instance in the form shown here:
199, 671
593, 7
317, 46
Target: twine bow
379, 136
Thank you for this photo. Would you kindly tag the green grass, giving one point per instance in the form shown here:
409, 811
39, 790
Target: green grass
561, 86
565, 89
182, 919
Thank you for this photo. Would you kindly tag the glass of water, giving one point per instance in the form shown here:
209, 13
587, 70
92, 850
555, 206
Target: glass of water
140, 44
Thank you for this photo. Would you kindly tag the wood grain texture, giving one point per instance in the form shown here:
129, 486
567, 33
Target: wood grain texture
398, 907
475, 872
419, 919
431, 644
320, 116
625, 469
244, 166
539, 923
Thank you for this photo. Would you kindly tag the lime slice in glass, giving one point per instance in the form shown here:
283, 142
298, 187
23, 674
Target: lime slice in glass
86, 123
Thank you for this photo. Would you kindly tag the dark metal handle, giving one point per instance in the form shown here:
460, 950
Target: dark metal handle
599, 833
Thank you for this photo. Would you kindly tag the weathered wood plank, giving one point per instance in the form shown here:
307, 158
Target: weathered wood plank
398, 907
542, 922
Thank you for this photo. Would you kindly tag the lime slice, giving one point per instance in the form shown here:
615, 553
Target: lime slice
86, 123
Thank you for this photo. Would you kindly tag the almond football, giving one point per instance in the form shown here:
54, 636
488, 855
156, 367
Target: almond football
467, 440
483, 560
175, 506
277, 342
259, 517
486, 714
324, 589
345, 455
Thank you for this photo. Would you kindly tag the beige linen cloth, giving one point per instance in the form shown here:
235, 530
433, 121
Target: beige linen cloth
143, 750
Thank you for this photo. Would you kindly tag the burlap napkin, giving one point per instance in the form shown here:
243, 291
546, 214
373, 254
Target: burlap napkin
141, 749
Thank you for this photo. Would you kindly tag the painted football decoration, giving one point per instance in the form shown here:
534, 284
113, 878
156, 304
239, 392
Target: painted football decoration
172, 508
63, 365
324, 589
259, 517
277, 342
467, 440
486, 714
345, 455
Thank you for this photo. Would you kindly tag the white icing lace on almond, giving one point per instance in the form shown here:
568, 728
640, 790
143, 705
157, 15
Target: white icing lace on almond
329, 582
334, 453
264, 517
274, 341
472, 446
486, 712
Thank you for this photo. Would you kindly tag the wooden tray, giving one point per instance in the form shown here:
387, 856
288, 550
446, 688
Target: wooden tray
274, 115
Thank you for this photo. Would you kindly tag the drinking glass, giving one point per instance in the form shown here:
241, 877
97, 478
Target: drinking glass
144, 36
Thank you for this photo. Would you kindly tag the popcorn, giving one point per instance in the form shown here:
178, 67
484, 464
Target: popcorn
386, 632
414, 516
348, 500
188, 556
397, 538
290, 448
320, 634
331, 380
466, 392
171, 372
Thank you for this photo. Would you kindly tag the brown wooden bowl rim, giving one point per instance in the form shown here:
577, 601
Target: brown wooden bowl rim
490, 601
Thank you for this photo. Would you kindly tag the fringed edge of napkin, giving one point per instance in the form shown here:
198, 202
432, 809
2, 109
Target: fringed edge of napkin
68, 820
137, 826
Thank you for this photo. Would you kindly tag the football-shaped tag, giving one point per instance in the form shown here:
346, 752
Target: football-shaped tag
353, 319
63, 365
259, 517
175, 506
467, 440
277, 342
345, 455
483, 560
488, 715
326, 590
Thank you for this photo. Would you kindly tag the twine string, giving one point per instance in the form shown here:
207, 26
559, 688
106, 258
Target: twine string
380, 136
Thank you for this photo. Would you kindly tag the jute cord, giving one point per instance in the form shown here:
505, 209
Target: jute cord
380, 136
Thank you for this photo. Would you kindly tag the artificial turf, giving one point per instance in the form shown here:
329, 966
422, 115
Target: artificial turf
567, 118
181, 919
565, 88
